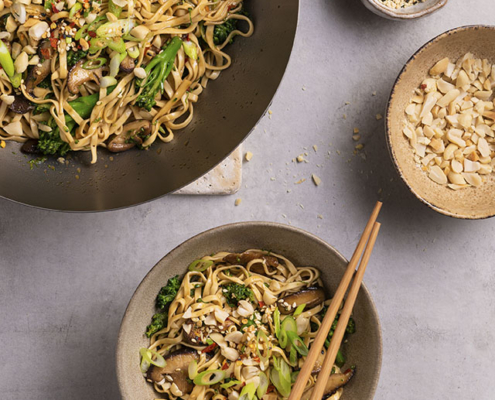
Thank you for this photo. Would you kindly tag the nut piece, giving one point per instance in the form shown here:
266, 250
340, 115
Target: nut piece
437, 175
440, 67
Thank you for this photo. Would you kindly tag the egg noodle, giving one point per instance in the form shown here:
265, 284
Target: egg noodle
225, 338
109, 33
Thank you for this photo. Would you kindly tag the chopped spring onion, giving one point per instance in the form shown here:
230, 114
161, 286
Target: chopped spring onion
16, 80
293, 376
190, 49
89, 27
299, 310
276, 317
282, 339
210, 377
146, 354
230, 384
293, 356
115, 63
193, 369
6, 60
280, 376
263, 386
133, 52
200, 265
262, 349
248, 392
297, 343
108, 81
115, 29
114, 8
95, 64
289, 325
75, 8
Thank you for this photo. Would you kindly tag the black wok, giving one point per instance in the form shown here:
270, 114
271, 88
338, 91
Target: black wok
225, 114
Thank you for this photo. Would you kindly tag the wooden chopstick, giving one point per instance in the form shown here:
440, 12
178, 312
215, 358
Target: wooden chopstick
326, 324
338, 335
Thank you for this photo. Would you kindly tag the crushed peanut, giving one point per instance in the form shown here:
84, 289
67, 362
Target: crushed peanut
396, 4
450, 122
248, 156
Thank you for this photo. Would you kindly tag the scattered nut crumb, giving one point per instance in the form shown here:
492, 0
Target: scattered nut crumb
356, 137
300, 158
237, 202
373, 94
360, 146
356, 130
248, 156
315, 147
320, 216
347, 103
2, 144
316, 180
344, 116
300, 181
304, 88
272, 178
379, 116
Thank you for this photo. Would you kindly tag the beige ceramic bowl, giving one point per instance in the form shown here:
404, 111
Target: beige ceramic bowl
364, 348
469, 203
404, 14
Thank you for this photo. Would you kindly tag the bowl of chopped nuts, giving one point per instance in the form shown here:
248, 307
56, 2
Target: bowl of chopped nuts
403, 10
441, 123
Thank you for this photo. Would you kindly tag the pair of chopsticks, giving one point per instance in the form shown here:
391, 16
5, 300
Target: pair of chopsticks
368, 239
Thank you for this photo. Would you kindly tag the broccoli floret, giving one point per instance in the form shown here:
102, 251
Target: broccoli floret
51, 142
168, 292
350, 328
74, 56
234, 292
158, 322
163, 299
222, 32
157, 71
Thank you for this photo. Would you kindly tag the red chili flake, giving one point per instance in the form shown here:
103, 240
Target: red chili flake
46, 53
53, 43
257, 359
72, 24
230, 7
54, 9
271, 388
92, 34
423, 86
262, 304
209, 348
225, 366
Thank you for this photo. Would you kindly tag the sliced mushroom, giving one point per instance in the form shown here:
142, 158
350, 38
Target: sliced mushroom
38, 73
334, 383
127, 65
21, 105
79, 76
30, 147
311, 296
246, 257
196, 335
132, 134
177, 365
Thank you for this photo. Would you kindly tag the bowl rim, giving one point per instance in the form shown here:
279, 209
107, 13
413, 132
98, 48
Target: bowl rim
255, 224
388, 134
391, 13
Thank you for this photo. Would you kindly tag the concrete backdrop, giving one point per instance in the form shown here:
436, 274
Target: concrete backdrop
65, 279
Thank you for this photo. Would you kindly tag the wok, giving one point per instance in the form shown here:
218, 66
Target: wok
226, 113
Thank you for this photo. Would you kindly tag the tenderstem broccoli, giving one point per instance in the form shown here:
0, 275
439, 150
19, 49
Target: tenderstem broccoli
222, 32
157, 72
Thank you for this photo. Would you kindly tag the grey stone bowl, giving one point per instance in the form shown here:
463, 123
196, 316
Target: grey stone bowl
364, 348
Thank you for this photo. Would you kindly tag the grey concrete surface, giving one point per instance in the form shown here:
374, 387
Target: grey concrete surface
65, 279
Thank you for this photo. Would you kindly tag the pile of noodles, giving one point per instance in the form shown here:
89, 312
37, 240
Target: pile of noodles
175, 110
207, 286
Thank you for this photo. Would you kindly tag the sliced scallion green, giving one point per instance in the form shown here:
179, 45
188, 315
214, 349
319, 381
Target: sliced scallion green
95, 64
210, 377
263, 386
297, 343
147, 354
200, 265
299, 310
230, 384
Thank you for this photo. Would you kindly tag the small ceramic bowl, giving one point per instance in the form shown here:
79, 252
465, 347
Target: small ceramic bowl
403, 14
469, 203
364, 348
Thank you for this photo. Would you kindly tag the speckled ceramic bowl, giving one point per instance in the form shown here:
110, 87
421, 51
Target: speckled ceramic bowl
364, 348
403, 14
469, 203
